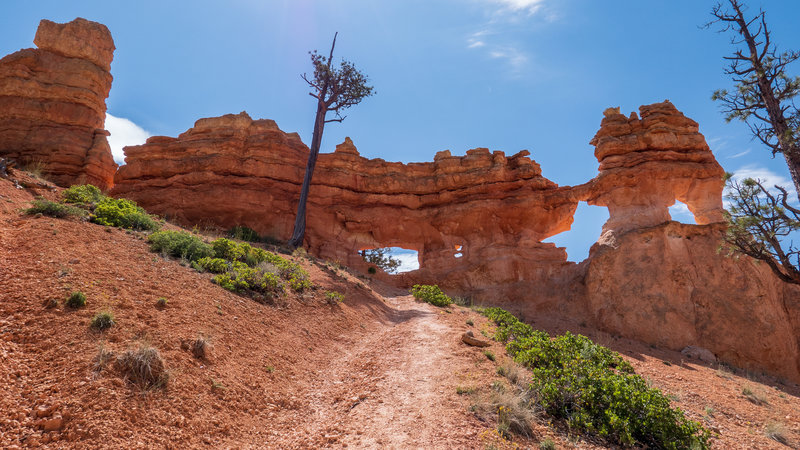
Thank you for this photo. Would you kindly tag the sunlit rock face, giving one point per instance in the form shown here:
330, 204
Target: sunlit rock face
233, 170
478, 222
648, 163
52, 103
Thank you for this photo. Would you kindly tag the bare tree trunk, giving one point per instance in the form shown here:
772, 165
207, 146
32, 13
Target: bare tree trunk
300, 220
772, 104
793, 161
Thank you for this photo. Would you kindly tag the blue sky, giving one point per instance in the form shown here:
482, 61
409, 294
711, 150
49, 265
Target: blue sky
449, 74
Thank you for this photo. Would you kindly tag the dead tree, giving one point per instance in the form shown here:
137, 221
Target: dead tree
764, 93
335, 89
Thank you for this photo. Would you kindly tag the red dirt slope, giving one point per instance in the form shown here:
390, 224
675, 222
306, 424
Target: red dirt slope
377, 371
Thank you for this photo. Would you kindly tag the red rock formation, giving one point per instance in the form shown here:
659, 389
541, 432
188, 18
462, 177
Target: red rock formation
497, 208
648, 163
647, 278
52, 103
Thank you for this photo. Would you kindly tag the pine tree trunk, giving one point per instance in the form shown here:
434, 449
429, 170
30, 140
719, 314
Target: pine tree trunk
793, 161
300, 219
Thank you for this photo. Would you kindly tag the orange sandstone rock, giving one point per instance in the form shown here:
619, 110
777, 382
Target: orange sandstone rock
647, 278
52, 103
648, 163
232, 170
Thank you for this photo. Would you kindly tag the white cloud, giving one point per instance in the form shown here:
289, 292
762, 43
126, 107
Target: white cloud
513, 56
680, 212
531, 6
768, 179
409, 259
123, 132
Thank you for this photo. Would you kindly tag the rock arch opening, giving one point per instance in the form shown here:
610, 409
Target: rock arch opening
583, 233
679, 212
392, 260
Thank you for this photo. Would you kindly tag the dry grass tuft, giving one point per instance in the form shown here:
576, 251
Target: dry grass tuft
777, 432
512, 408
144, 367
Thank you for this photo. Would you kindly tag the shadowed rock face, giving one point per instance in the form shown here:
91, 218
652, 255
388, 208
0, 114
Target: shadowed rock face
52, 103
647, 278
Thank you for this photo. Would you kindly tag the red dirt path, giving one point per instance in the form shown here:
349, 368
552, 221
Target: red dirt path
377, 371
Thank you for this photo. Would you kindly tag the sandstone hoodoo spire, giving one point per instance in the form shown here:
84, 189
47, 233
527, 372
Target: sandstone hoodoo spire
648, 163
52, 103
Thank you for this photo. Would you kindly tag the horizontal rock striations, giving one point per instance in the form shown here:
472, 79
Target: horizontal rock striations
52, 103
478, 222
232, 170
648, 163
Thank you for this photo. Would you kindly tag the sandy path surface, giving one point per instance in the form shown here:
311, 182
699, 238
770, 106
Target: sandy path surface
396, 388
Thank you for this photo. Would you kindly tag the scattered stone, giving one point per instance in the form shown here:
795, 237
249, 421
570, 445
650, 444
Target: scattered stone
53, 424
700, 353
470, 339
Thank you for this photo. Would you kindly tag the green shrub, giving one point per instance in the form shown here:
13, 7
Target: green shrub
162, 302
213, 265
123, 213
53, 209
334, 297
83, 194
243, 233
227, 249
594, 389
103, 320
431, 294
240, 277
76, 300
179, 244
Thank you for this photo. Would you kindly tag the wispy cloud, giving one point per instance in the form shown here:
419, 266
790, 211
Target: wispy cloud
515, 58
409, 259
485, 40
529, 6
740, 154
768, 178
123, 132
495, 39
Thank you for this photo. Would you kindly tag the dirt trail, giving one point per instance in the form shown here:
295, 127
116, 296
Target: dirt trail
397, 387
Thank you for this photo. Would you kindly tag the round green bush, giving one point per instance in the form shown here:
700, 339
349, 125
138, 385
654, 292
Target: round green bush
123, 213
83, 194
76, 300
430, 293
103, 320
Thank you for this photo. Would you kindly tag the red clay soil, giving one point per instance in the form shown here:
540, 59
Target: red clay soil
378, 370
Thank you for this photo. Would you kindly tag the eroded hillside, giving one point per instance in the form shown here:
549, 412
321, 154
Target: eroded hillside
377, 370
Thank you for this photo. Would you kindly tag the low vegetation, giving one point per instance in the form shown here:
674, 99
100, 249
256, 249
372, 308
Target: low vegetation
238, 266
85, 194
430, 293
179, 244
103, 320
594, 390
76, 300
334, 297
88, 201
54, 209
122, 213
144, 367
243, 233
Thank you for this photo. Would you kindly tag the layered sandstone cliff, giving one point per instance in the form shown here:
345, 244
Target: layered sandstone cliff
52, 103
478, 222
648, 163
232, 170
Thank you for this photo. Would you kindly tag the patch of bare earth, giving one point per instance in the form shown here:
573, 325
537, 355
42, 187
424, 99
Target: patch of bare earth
379, 370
